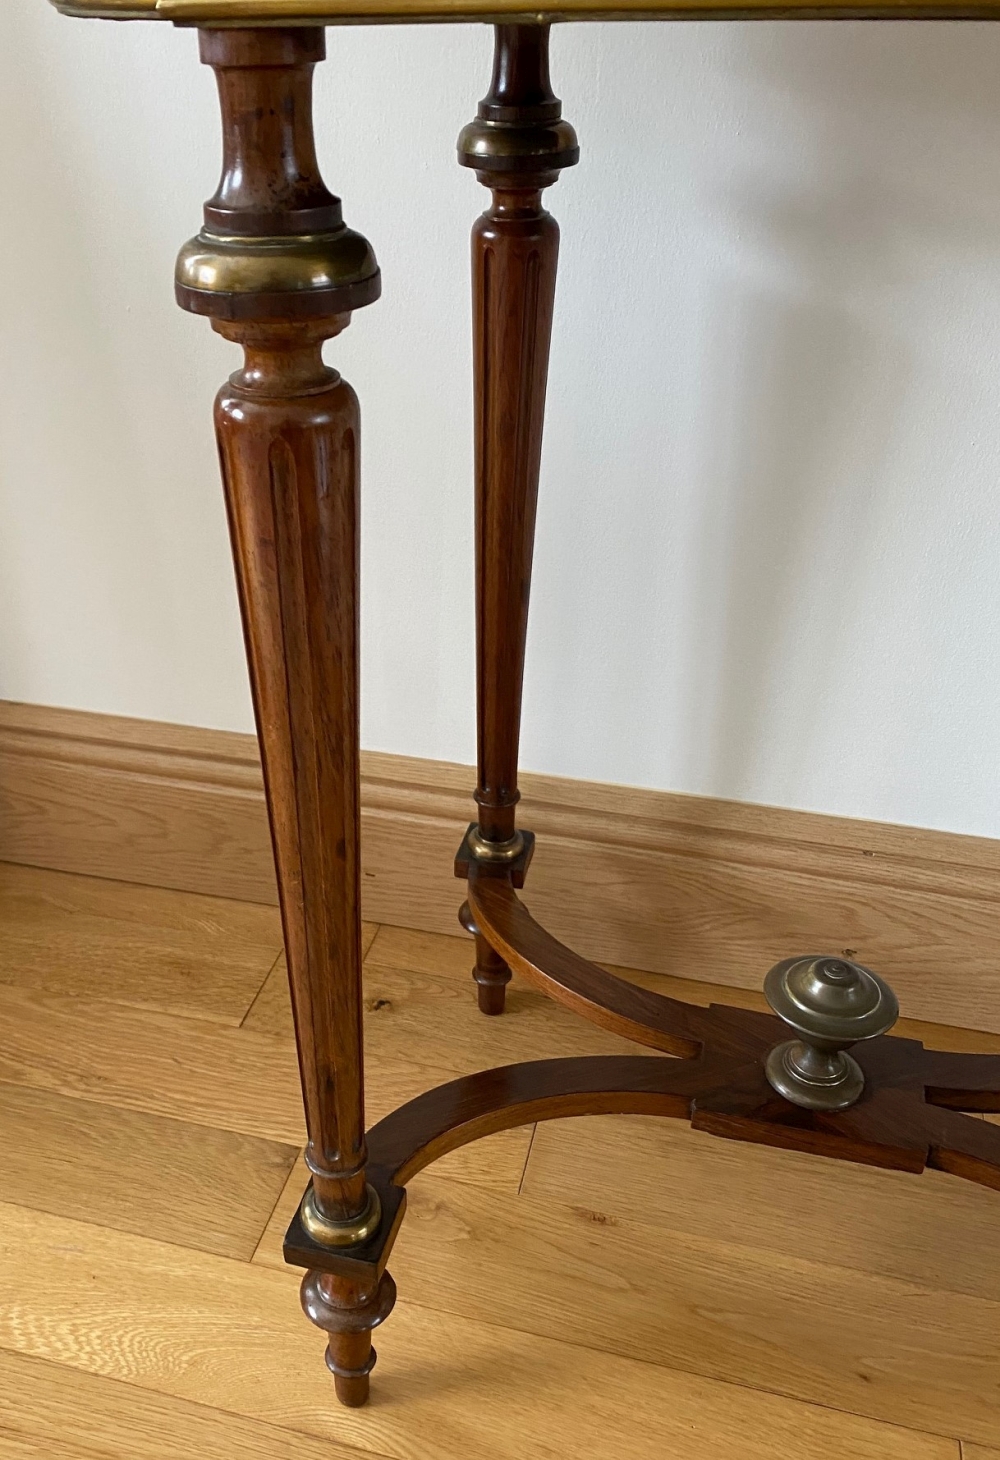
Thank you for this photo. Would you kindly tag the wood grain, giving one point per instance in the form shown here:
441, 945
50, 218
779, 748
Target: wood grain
21, 1447
271, 1011
60, 1410
419, 954
136, 800
287, 427
831, 1335
501, 1178
131, 1320
707, 890
515, 250
185, 954
412, 1010
516, 145
136, 1172
230, 1079
664, 1175
645, 1243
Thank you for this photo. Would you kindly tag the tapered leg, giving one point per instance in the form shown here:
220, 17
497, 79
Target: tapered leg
517, 145
279, 274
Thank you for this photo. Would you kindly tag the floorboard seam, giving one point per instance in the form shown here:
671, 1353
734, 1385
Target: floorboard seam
527, 1157
270, 1215
253, 1002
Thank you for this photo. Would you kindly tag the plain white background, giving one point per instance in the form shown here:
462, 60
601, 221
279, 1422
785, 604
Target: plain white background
769, 532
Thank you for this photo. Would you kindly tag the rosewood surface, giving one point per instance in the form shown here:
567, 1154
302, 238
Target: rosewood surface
288, 430
517, 145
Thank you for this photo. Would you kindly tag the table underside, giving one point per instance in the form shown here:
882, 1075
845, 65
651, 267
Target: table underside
344, 12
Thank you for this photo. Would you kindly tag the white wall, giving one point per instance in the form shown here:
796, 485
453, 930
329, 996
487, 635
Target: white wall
769, 532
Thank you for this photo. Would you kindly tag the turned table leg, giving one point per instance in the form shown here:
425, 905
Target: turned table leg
278, 273
517, 145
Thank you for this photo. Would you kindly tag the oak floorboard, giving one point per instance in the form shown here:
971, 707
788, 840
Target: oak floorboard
412, 951
23, 1447
271, 1011
675, 1292
268, 1249
177, 952
410, 1009
136, 1172
229, 1335
828, 1335
663, 1174
231, 1079
54, 1409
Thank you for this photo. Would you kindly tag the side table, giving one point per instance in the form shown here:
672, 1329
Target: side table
277, 271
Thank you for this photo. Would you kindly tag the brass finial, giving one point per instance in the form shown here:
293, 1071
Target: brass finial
830, 1004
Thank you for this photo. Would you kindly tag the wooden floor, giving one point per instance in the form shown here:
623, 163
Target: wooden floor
612, 1287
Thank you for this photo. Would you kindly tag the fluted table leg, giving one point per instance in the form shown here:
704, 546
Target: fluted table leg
517, 145
278, 273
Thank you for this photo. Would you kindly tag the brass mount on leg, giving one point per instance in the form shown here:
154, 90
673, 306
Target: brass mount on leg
351, 1233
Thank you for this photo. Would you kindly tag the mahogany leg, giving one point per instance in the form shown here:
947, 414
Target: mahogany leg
517, 145
278, 273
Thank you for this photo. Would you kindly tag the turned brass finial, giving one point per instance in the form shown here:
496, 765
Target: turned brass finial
830, 1004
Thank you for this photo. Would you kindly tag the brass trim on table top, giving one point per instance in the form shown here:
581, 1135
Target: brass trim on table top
109, 9
343, 12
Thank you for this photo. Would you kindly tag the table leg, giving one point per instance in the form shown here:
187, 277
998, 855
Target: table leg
278, 273
517, 145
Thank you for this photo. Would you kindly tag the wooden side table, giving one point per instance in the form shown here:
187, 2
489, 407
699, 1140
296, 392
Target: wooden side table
276, 271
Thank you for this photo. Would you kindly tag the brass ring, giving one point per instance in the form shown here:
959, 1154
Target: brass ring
341, 1234
487, 851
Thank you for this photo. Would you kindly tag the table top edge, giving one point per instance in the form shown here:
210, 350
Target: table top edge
366, 12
